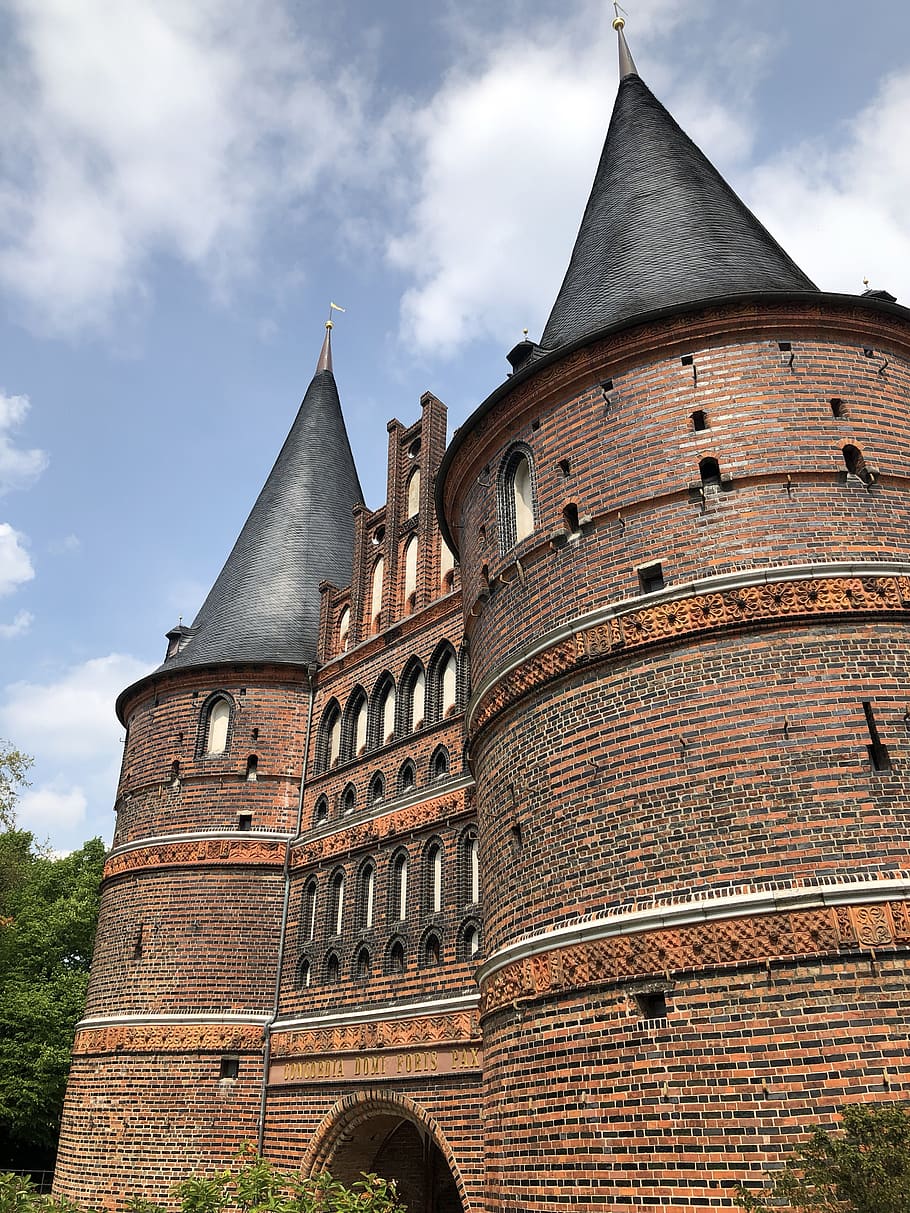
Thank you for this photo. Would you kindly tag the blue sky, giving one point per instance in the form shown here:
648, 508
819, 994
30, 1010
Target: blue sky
185, 187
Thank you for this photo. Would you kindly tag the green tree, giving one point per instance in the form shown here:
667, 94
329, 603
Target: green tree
862, 1168
13, 765
48, 914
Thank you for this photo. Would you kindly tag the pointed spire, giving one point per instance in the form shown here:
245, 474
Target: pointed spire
626, 62
264, 605
662, 228
325, 354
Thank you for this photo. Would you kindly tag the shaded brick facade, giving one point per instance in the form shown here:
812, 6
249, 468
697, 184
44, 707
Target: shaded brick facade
575, 874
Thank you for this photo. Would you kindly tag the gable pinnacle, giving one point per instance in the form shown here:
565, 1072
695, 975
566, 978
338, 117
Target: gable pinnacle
626, 62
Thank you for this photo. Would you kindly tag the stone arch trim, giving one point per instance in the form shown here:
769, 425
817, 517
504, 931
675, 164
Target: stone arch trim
350, 1111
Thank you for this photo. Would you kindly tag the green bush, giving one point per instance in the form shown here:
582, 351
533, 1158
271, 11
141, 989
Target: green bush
252, 1185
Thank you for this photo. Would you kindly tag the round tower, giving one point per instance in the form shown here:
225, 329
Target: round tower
682, 525
168, 1062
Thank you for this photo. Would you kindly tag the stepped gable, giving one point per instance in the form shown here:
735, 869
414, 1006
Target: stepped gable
264, 605
662, 228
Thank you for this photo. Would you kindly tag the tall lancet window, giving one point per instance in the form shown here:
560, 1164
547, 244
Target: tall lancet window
413, 506
516, 497
410, 573
418, 700
400, 887
335, 739
217, 731
447, 679
376, 594
344, 630
388, 714
359, 729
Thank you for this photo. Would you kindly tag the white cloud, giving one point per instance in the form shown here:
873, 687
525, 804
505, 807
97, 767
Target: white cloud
15, 564
18, 467
19, 626
51, 810
840, 205
136, 128
68, 725
490, 231
71, 717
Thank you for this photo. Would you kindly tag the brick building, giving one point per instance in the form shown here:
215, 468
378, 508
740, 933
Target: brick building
539, 838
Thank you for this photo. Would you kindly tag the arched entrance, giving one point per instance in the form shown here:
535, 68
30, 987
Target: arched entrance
395, 1141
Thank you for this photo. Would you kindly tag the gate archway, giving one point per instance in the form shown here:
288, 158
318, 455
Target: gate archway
393, 1137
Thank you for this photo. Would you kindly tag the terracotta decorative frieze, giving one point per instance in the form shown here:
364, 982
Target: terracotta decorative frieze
640, 627
197, 851
169, 1038
713, 944
389, 1034
389, 825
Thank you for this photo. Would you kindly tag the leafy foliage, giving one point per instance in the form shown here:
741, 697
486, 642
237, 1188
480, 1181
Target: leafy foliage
13, 765
863, 1169
48, 914
252, 1186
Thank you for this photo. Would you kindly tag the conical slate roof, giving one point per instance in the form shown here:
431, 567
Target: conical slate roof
264, 605
662, 228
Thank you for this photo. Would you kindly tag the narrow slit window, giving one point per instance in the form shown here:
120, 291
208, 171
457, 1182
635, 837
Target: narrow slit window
337, 903
699, 420
570, 522
474, 871
309, 910
400, 887
709, 471
838, 408
368, 890
410, 573
252, 769
396, 957
434, 879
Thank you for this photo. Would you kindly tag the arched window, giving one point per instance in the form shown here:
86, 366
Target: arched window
446, 566
358, 726
413, 697
376, 595
336, 903
332, 969
308, 910
348, 800
344, 629
321, 811
377, 788
328, 739
447, 685
470, 942
216, 725
434, 878
432, 951
367, 896
516, 497
252, 769
387, 714
398, 890
396, 962
474, 869
362, 965
304, 974
439, 763
407, 777
413, 503
410, 573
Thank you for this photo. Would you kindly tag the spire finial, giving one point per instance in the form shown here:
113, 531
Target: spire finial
626, 62
325, 354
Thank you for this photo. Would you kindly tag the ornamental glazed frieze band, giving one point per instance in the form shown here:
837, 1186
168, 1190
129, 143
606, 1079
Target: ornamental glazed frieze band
389, 1034
753, 599
715, 944
170, 1038
197, 851
388, 825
